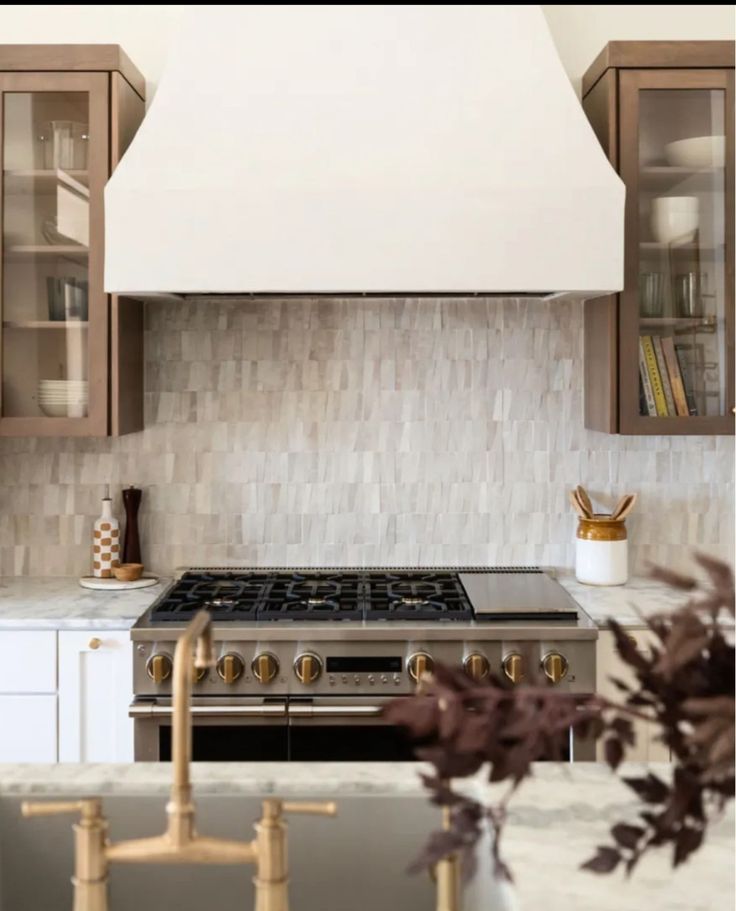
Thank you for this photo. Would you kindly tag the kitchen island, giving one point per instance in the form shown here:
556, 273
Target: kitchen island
356, 860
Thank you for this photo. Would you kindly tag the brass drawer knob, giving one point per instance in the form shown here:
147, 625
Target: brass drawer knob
95, 643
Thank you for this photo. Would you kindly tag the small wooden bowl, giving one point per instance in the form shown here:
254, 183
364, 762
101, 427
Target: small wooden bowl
128, 572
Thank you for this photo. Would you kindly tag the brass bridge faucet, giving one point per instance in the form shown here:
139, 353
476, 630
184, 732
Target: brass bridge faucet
180, 843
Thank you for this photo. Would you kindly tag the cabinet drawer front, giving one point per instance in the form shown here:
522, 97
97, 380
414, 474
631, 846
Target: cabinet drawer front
28, 729
28, 661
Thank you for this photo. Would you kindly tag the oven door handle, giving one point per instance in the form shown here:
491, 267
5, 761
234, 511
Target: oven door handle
148, 710
335, 711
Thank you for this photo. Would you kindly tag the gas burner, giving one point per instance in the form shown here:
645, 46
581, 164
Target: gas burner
417, 596
227, 591
334, 596
227, 596
271, 596
410, 591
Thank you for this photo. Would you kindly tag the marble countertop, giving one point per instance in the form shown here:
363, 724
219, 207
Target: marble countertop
628, 604
60, 602
48, 602
556, 820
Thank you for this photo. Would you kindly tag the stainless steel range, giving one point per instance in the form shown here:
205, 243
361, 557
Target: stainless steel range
307, 657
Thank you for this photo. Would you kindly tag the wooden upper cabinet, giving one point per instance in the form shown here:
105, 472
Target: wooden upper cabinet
659, 356
70, 355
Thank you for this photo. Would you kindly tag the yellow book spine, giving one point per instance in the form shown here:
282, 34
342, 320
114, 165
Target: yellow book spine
651, 358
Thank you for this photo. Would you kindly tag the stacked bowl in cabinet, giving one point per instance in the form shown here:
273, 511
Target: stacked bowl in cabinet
63, 398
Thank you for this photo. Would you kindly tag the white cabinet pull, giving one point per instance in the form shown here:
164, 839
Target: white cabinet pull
95, 643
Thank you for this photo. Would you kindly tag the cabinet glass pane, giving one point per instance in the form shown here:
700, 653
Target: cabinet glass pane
45, 290
682, 334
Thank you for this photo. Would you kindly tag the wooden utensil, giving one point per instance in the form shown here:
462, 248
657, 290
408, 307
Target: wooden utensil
576, 505
624, 507
584, 500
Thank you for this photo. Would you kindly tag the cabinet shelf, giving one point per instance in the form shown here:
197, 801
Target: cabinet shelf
664, 177
19, 182
45, 324
705, 323
655, 246
46, 251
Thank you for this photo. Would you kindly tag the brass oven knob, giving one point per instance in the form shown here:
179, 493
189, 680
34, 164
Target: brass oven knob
419, 664
307, 668
159, 667
513, 667
230, 667
477, 667
265, 667
554, 666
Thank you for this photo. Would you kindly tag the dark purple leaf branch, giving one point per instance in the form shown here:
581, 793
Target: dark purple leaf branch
684, 685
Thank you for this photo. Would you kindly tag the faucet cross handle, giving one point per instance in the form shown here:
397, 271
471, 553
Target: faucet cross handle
311, 808
89, 808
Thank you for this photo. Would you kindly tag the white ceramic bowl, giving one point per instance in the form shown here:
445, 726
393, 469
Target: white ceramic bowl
63, 409
675, 219
697, 152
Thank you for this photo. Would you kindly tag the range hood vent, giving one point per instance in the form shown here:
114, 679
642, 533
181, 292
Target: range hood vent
381, 150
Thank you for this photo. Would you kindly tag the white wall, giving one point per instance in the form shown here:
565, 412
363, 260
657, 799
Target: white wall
580, 31
145, 32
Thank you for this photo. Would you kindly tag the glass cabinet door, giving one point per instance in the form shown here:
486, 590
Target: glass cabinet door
677, 306
53, 341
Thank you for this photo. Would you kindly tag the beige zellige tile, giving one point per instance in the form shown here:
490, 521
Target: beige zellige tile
365, 432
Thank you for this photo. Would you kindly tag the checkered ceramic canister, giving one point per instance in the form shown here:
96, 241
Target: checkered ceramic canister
105, 542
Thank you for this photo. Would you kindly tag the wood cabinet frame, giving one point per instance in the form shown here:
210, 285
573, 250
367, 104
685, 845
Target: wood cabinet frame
115, 332
611, 324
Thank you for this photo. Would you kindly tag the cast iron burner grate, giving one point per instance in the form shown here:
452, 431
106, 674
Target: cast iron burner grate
417, 596
297, 597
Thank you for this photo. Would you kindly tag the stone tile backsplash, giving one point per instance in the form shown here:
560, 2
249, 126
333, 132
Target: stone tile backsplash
338, 432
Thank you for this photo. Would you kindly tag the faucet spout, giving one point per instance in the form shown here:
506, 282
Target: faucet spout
180, 809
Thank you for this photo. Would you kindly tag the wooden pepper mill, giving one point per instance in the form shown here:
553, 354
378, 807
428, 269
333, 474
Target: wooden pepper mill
131, 541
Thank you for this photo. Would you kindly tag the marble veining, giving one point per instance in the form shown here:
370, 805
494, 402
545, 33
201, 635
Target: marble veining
629, 604
556, 820
362, 432
42, 602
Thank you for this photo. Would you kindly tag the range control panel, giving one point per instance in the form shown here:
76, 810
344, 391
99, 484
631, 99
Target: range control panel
353, 668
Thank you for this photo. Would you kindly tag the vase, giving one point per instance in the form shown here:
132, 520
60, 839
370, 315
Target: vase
105, 542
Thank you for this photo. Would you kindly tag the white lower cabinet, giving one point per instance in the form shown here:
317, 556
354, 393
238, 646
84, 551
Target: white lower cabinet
95, 692
648, 747
28, 682
28, 728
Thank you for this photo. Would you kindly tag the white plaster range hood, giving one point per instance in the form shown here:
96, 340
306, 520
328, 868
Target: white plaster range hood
364, 149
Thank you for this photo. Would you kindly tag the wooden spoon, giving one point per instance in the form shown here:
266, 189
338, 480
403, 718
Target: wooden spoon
584, 500
620, 505
577, 506
624, 507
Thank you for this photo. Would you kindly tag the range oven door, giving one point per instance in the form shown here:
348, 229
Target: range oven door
351, 729
230, 730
